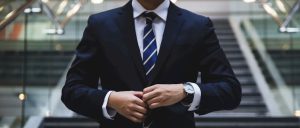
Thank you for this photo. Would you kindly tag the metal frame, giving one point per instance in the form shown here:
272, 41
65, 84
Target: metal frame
283, 25
60, 25
10, 17
52, 17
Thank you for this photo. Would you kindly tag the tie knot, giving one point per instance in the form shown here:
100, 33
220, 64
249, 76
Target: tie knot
150, 16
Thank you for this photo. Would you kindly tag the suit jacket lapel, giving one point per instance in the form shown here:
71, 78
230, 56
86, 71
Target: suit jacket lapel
126, 25
172, 29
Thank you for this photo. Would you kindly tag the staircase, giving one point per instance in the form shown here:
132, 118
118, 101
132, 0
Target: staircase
252, 104
68, 123
288, 64
252, 113
207, 122
248, 122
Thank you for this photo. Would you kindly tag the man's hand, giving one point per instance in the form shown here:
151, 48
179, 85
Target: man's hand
128, 104
163, 95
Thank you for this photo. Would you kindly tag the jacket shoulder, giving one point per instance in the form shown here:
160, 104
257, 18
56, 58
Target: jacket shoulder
195, 18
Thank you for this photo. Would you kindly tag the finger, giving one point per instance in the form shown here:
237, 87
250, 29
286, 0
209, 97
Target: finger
140, 102
154, 100
149, 89
138, 115
150, 95
134, 119
138, 94
140, 109
154, 105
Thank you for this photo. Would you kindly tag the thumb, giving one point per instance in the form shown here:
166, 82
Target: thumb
138, 94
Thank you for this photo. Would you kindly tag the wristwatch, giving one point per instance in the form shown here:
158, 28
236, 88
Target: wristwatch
189, 90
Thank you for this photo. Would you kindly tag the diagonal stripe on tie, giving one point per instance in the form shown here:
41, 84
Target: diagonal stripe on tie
148, 33
150, 69
153, 40
151, 55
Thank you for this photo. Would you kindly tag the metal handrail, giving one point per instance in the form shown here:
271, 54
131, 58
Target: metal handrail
61, 25
10, 17
284, 26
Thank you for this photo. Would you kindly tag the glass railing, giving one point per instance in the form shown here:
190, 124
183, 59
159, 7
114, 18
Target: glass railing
11, 102
36, 48
284, 49
34, 59
280, 63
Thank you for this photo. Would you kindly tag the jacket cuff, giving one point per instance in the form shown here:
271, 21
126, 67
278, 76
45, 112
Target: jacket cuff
197, 97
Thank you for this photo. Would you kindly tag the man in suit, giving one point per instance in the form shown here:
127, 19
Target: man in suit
146, 55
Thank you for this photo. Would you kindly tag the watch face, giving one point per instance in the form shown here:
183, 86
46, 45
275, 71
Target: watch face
189, 89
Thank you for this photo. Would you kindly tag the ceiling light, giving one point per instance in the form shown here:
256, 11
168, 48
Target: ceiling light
289, 30
297, 113
45, 1
54, 31
36, 10
97, 1
32, 10
61, 7
22, 96
27, 10
73, 10
174, 1
270, 10
249, 1
281, 6
9, 14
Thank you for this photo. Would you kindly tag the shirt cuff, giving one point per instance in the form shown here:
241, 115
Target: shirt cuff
197, 97
108, 112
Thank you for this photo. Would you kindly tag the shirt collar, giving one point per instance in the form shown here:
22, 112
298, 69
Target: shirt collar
161, 10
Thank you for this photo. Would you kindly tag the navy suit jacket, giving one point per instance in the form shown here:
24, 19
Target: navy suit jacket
109, 53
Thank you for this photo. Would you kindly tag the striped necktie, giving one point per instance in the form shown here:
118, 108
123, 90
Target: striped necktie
149, 44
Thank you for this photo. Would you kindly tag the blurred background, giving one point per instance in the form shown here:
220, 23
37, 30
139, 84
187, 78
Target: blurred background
261, 39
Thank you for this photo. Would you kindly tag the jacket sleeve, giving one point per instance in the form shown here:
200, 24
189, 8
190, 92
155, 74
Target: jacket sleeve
80, 92
220, 89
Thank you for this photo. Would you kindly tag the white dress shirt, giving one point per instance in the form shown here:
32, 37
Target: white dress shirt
158, 27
